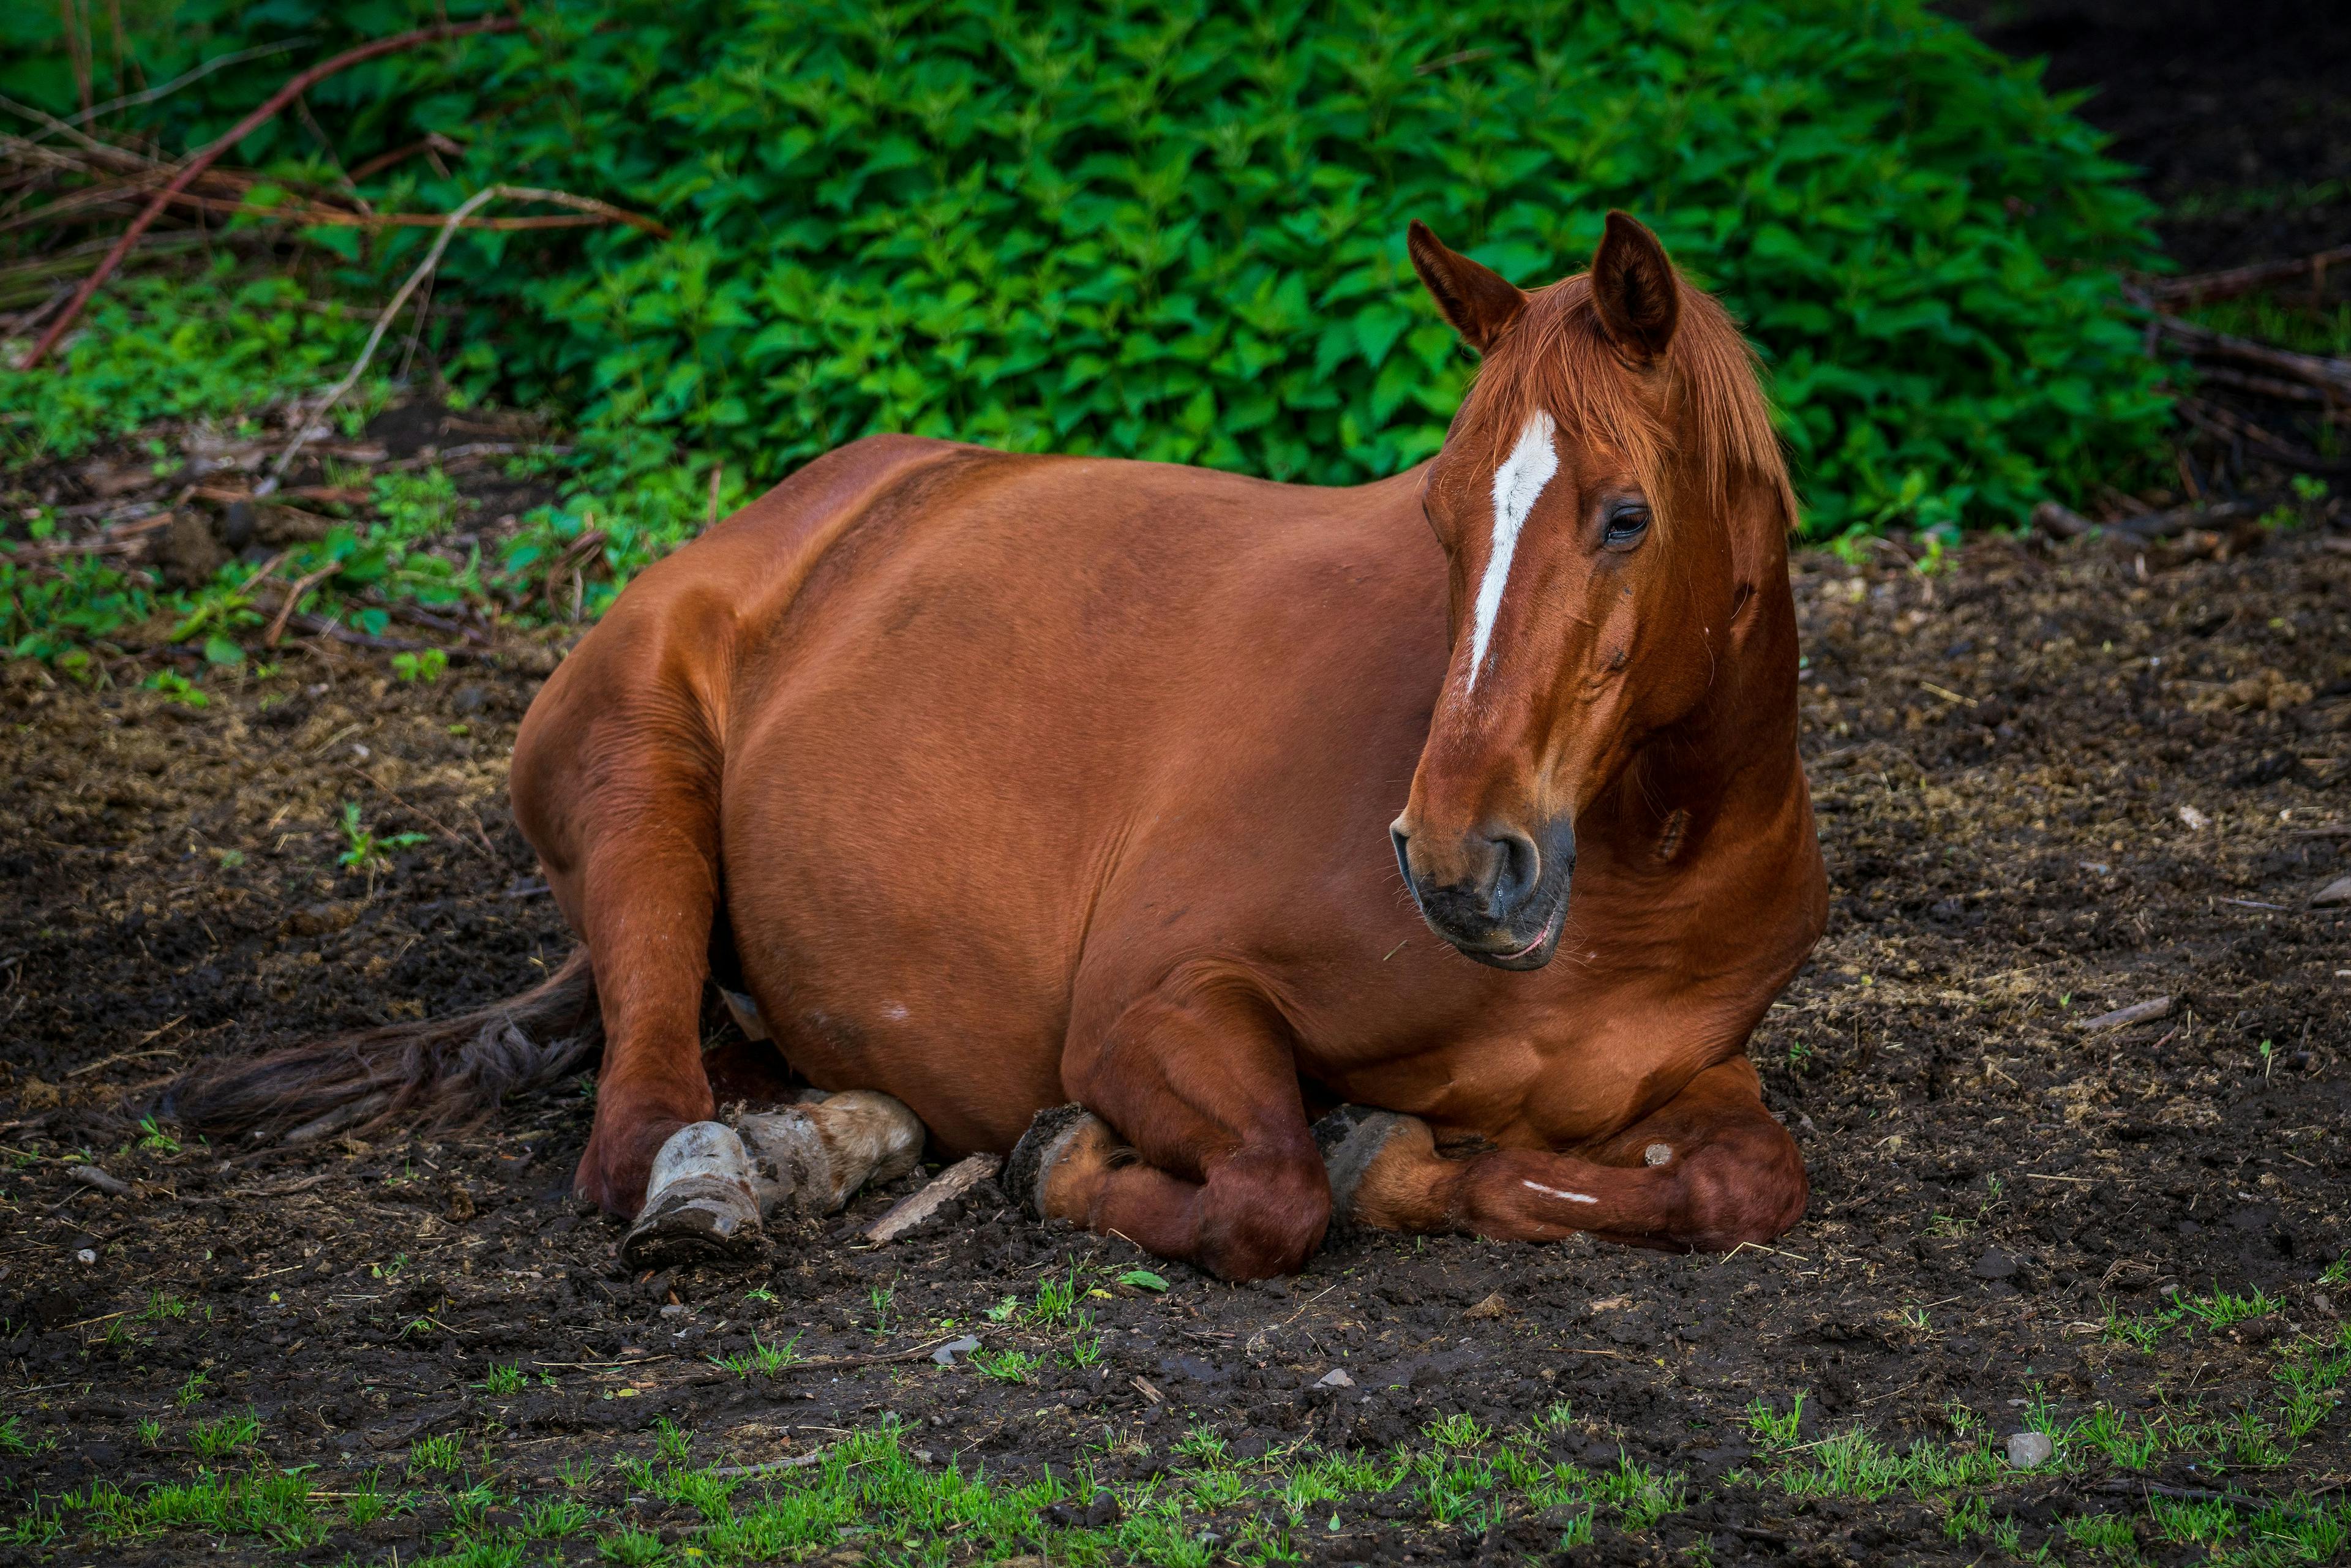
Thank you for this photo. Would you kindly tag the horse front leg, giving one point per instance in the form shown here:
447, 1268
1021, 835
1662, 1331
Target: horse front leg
1708, 1170
1188, 1138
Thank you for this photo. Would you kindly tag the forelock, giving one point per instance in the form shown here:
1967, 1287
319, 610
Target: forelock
1697, 433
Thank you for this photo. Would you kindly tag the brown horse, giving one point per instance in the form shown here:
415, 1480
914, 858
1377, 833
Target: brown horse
1000, 782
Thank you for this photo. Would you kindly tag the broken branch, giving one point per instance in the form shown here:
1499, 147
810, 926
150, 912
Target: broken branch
196, 165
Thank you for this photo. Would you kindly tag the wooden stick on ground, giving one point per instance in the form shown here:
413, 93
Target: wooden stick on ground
951, 1182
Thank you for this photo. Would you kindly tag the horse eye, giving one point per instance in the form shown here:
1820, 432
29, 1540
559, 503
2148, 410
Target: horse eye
1627, 521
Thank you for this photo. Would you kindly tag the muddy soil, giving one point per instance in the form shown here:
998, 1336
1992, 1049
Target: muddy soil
2051, 782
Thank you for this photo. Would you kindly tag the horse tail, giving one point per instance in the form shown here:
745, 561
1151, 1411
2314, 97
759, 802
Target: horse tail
437, 1071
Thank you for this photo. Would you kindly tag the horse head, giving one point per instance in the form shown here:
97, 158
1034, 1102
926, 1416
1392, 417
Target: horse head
1612, 504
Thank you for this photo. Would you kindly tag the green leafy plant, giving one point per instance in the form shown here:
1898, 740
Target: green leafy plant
177, 689
364, 850
1178, 233
155, 348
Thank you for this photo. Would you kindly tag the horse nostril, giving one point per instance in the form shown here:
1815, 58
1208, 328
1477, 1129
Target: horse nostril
1516, 867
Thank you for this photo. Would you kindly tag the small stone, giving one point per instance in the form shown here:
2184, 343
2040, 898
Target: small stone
1335, 1378
675, 1310
945, 1354
1995, 1265
2333, 892
2322, 1300
2030, 1450
2197, 821
86, 1255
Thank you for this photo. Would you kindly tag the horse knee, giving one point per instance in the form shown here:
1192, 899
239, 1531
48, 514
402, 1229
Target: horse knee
1745, 1195
1264, 1218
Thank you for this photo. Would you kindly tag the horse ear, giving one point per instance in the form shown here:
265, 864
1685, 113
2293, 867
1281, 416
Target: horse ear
1480, 302
1635, 290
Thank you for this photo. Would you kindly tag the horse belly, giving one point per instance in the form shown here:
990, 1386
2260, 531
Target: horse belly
901, 921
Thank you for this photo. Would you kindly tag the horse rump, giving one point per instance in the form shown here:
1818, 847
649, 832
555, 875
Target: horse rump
438, 1071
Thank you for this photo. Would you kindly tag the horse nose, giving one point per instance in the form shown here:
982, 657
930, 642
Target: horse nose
1492, 875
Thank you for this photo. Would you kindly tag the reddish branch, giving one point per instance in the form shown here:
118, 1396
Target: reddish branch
244, 128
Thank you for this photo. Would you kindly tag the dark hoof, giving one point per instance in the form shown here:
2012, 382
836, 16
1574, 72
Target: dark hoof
1349, 1138
1024, 1171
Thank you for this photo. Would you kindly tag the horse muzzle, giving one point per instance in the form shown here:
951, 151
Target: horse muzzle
1499, 895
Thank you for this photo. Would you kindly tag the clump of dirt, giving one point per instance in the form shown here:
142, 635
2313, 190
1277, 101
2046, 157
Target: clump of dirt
2052, 783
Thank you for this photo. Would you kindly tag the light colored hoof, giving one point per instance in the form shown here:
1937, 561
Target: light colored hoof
700, 1205
816, 1156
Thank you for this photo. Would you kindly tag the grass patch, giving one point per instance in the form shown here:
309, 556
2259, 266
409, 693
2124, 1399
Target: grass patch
224, 1434
1962, 1475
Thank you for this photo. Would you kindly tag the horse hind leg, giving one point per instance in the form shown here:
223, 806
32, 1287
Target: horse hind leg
714, 1187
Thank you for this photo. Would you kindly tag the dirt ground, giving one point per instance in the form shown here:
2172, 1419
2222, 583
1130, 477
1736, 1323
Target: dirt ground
2050, 781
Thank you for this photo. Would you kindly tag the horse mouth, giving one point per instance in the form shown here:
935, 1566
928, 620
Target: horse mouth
1534, 954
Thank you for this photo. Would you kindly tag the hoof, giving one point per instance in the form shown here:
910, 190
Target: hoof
816, 1156
1371, 1156
699, 1204
1047, 1171
1350, 1138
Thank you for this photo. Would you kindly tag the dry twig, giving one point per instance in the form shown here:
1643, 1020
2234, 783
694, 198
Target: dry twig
424, 269
196, 165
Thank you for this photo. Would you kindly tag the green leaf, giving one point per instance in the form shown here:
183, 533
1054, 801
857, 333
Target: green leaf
1143, 1280
220, 650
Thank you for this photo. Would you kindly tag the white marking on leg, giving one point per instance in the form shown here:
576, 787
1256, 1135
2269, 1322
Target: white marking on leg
1555, 1192
1518, 485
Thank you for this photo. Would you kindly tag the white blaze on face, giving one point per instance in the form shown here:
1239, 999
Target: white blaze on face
1518, 485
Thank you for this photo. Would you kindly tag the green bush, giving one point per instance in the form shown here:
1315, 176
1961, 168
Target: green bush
1176, 230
